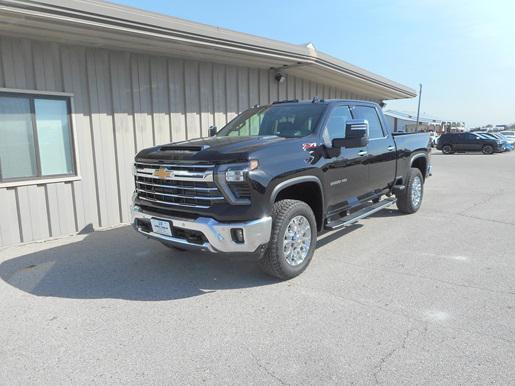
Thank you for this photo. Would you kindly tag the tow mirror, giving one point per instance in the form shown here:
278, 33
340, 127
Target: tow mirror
356, 134
212, 131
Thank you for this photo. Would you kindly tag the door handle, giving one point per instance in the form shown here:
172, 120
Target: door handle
391, 148
362, 153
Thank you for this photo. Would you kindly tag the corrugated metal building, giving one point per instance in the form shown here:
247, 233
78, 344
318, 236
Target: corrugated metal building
407, 122
85, 85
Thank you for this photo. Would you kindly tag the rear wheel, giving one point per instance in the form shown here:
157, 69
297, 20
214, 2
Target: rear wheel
293, 239
487, 149
447, 149
409, 200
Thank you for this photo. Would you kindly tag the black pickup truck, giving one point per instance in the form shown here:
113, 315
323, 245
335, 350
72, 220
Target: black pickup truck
276, 176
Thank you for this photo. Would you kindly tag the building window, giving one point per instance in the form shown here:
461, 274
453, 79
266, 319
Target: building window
36, 137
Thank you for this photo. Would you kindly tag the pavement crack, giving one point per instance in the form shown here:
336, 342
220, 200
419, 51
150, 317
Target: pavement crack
379, 368
483, 201
415, 275
485, 219
404, 315
266, 369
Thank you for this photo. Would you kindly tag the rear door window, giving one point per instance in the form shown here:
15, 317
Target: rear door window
375, 129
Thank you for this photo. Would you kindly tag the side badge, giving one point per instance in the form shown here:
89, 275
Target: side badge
309, 146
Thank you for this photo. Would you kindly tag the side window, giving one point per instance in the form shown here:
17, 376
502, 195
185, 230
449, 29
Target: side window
335, 126
375, 130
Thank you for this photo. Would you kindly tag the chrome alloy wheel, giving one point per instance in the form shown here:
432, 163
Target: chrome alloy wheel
416, 192
297, 240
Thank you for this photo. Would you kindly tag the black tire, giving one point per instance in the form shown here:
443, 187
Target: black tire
488, 149
405, 201
447, 149
274, 261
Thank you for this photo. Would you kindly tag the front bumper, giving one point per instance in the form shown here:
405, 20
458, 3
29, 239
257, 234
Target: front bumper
216, 235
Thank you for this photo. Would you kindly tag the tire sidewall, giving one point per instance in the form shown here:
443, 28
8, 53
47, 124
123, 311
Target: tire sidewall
301, 209
488, 149
414, 173
446, 149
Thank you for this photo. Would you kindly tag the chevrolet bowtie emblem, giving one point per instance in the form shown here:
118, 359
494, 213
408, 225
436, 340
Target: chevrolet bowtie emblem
163, 173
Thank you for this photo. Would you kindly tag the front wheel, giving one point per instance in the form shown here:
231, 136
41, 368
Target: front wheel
293, 239
410, 199
487, 149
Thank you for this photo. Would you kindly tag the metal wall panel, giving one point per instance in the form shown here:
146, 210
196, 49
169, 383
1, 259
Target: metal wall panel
122, 102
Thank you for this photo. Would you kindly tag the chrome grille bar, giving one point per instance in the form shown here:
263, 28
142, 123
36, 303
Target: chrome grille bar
178, 187
181, 176
175, 203
211, 198
186, 166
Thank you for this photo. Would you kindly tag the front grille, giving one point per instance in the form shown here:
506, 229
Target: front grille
177, 185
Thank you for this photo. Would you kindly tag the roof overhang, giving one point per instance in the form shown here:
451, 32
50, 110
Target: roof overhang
103, 24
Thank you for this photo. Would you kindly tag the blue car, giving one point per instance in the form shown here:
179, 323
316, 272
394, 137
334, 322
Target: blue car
501, 140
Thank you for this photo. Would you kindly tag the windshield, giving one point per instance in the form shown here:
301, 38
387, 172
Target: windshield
290, 121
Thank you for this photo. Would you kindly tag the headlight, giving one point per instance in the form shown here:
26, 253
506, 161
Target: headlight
239, 174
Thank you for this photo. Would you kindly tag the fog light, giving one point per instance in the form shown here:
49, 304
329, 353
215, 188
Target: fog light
237, 235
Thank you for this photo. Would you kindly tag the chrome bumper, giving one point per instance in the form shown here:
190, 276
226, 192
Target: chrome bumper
218, 235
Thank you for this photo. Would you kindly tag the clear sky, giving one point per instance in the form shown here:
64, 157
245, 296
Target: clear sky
463, 52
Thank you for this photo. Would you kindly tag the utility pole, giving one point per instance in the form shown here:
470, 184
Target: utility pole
419, 97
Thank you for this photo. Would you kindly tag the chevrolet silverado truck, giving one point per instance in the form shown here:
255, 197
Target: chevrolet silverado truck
275, 177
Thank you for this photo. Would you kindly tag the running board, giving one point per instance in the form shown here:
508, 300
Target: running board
362, 213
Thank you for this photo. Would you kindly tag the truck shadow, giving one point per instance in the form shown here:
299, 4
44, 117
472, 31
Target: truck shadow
327, 237
121, 264
387, 212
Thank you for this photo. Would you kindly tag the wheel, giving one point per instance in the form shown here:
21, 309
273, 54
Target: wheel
447, 149
410, 199
293, 239
487, 149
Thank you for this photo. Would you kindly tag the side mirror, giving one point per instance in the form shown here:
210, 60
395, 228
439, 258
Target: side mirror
212, 131
356, 134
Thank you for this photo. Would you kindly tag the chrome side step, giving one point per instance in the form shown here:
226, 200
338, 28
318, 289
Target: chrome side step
360, 214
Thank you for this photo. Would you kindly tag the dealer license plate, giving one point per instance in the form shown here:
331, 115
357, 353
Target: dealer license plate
161, 227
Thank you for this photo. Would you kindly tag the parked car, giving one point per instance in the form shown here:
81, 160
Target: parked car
510, 136
274, 177
506, 146
450, 143
509, 141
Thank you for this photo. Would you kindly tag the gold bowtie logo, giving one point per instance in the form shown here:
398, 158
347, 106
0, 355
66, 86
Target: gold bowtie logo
163, 173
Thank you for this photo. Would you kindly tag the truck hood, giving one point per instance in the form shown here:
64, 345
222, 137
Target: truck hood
212, 149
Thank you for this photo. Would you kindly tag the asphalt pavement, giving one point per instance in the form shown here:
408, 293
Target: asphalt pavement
427, 298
